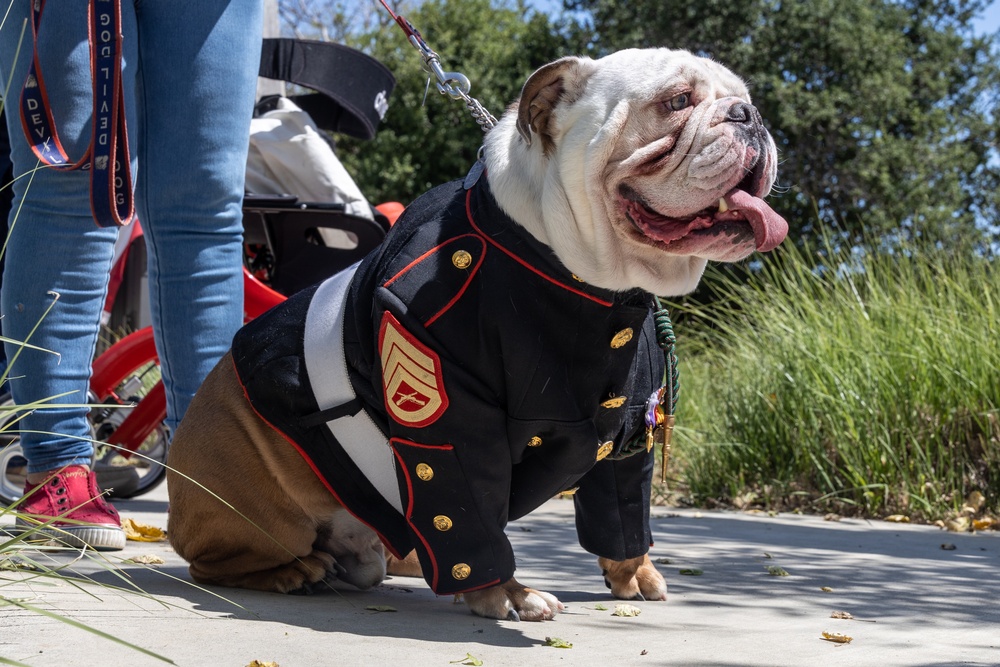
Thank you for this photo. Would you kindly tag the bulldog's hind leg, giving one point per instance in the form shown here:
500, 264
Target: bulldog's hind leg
271, 533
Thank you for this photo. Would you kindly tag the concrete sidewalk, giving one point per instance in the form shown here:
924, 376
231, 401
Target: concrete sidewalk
914, 602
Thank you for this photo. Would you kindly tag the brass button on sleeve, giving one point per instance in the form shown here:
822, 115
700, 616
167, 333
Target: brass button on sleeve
615, 402
425, 472
622, 338
461, 571
442, 523
461, 259
604, 450
535, 442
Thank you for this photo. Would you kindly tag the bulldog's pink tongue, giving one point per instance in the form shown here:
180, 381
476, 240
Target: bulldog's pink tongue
769, 228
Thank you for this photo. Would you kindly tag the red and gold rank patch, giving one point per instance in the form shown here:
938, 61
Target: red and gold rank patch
411, 376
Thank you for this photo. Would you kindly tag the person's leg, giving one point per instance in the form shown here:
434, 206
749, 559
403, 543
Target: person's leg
197, 81
55, 248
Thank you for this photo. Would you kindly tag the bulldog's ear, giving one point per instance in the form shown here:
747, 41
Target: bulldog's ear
556, 83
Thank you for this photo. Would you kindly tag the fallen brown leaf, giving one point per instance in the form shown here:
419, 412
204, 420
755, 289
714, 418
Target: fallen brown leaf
626, 610
898, 518
837, 638
960, 524
141, 532
146, 559
846, 615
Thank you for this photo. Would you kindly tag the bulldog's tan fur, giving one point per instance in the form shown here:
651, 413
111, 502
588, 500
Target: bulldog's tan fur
620, 166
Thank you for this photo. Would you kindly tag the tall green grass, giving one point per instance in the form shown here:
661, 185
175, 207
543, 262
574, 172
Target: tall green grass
868, 386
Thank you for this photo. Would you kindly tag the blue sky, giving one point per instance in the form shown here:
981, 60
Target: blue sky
991, 18
990, 21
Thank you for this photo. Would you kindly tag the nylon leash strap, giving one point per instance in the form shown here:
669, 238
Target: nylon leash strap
107, 157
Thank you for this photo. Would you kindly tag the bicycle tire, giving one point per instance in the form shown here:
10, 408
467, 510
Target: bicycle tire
13, 465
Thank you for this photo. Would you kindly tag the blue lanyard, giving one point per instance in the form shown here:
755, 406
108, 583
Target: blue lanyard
107, 157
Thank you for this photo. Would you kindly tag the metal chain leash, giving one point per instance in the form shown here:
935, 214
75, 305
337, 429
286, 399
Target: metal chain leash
453, 84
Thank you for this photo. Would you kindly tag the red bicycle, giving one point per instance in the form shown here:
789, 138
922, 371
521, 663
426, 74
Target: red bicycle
287, 248
281, 241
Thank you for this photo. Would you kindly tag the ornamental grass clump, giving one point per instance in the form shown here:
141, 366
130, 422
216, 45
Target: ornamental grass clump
846, 381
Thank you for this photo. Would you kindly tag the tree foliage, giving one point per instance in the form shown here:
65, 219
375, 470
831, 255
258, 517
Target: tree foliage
427, 138
884, 111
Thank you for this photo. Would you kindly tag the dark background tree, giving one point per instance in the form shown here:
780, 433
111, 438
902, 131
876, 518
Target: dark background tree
883, 110
423, 142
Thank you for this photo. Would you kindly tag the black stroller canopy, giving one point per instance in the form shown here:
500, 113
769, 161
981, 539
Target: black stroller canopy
352, 88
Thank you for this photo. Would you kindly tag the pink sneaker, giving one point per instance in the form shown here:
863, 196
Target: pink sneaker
72, 493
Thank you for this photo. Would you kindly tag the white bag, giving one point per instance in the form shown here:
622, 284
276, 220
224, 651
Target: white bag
289, 156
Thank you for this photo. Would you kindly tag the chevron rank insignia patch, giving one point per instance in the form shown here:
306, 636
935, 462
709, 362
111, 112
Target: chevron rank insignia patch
411, 376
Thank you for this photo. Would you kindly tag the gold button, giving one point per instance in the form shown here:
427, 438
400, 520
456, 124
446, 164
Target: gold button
604, 450
461, 571
425, 472
461, 259
535, 442
616, 402
621, 338
442, 523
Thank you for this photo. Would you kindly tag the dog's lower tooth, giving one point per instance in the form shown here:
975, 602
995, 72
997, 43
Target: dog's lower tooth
723, 207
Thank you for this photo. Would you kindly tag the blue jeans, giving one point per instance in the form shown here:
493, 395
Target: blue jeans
189, 71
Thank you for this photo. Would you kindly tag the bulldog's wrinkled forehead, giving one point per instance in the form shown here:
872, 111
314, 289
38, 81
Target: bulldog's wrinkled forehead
667, 71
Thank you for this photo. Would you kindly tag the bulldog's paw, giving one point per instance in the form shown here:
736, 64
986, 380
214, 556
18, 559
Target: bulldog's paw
633, 579
406, 567
306, 575
511, 601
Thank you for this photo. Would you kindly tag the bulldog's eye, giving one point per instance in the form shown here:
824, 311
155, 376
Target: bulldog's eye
679, 102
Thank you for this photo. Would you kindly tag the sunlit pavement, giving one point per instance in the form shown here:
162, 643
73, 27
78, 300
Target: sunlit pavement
918, 595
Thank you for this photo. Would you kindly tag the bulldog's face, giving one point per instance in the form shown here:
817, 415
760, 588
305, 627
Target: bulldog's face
638, 168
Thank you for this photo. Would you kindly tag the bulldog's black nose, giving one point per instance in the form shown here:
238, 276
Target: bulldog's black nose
742, 113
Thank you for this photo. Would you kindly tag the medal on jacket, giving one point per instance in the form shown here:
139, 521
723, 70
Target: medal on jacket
659, 428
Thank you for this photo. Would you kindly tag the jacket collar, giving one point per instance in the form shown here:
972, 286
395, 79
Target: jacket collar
486, 216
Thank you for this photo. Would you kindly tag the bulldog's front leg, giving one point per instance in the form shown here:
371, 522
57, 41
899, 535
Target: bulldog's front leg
633, 579
511, 601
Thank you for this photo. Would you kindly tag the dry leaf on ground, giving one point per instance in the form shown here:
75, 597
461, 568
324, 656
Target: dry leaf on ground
837, 638
776, 571
258, 663
985, 523
960, 524
141, 532
626, 610
898, 518
555, 642
846, 615
145, 559
826, 589
469, 659
692, 572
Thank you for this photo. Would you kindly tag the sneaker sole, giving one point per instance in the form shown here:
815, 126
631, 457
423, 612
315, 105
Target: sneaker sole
98, 538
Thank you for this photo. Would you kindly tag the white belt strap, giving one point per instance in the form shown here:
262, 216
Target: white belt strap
326, 366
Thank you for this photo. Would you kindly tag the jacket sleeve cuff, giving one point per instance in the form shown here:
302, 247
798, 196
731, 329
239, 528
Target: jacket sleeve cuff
459, 549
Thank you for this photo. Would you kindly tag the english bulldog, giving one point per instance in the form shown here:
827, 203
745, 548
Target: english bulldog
498, 348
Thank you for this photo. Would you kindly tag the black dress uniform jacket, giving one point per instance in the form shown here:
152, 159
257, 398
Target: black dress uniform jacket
497, 378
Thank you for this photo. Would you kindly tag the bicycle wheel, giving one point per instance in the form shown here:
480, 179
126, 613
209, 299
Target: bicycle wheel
147, 463
13, 465
148, 458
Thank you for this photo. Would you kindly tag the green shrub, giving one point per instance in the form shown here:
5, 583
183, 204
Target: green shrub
868, 386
